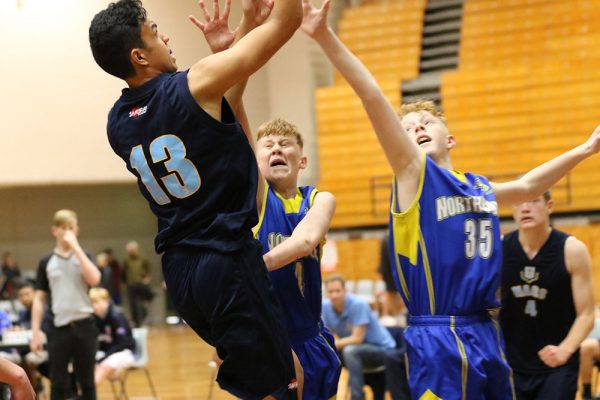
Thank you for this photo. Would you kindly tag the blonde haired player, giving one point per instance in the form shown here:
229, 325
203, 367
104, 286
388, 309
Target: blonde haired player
445, 236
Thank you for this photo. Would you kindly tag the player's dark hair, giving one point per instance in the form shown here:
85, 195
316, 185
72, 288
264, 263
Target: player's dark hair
336, 278
547, 196
114, 32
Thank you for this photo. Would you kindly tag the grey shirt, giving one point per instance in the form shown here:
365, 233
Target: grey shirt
61, 277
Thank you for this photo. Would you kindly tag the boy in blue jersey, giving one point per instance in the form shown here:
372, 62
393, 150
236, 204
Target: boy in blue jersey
293, 223
178, 134
445, 236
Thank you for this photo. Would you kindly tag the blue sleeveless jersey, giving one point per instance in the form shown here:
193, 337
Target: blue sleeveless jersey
298, 285
446, 247
298, 288
198, 174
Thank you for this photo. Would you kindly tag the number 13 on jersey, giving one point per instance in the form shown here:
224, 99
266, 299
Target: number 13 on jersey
183, 178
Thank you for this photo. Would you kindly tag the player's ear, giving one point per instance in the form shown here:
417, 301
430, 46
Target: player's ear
450, 142
303, 162
138, 57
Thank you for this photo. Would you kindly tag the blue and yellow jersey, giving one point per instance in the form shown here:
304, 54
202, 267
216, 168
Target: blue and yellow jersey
446, 247
298, 285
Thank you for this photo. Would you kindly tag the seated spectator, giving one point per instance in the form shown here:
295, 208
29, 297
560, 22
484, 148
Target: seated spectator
32, 363
115, 341
589, 354
359, 337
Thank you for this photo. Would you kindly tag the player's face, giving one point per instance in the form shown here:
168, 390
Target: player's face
26, 295
336, 293
100, 307
280, 158
429, 132
534, 213
59, 231
157, 52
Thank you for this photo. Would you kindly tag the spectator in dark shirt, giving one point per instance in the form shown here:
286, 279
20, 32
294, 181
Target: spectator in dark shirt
11, 274
115, 341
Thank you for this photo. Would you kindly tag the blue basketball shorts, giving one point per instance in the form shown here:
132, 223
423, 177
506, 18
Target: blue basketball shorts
321, 366
228, 300
457, 358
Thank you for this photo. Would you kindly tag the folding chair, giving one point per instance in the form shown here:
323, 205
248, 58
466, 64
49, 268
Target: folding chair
140, 335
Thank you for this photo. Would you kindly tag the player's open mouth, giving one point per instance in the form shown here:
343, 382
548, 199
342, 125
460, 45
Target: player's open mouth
423, 139
277, 163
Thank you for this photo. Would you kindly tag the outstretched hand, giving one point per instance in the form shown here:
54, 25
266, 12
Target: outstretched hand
257, 11
216, 28
593, 143
314, 20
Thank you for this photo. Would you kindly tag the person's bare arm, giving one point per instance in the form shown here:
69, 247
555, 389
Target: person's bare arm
356, 337
91, 273
37, 314
210, 78
579, 264
306, 236
540, 179
15, 376
402, 154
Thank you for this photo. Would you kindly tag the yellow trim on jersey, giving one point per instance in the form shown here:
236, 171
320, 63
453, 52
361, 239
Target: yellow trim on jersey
428, 278
262, 210
406, 223
312, 197
429, 395
291, 205
406, 363
463, 355
401, 275
512, 384
310, 204
459, 175
408, 237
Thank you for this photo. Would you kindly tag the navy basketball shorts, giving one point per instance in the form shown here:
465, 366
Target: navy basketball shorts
321, 366
457, 358
228, 300
557, 384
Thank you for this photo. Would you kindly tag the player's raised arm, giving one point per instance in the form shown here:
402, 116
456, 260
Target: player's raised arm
306, 236
538, 180
402, 152
210, 78
219, 37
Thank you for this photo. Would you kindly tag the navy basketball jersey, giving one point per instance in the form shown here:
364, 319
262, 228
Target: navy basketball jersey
198, 174
536, 299
298, 285
445, 248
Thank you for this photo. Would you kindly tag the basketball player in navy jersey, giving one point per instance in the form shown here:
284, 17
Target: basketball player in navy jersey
293, 223
178, 135
547, 303
445, 236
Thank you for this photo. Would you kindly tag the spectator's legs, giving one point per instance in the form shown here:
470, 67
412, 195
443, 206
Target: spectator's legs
357, 358
589, 352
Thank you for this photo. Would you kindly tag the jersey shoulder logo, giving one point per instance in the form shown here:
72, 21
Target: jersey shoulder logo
137, 111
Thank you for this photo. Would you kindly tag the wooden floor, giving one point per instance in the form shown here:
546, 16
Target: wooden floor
178, 364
